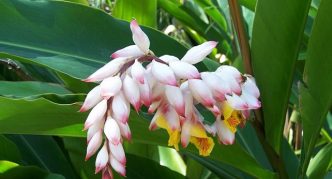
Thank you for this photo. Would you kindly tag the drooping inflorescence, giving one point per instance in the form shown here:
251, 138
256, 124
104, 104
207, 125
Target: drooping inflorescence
169, 87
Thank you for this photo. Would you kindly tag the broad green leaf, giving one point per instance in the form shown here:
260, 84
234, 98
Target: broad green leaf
277, 34
9, 150
30, 88
61, 42
44, 152
321, 163
44, 117
76, 148
315, 94
27, 172
144, 11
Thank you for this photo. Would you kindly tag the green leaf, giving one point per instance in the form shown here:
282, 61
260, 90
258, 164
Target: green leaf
44, 152
30, 88
27, 172
144, 11
214, 13
315, 94
172, 159
9, 150
76, 148
189, 18
250, 4
321, 163
44, 117
52, 41
277, 34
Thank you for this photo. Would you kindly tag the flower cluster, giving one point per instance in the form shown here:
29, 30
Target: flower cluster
172, 89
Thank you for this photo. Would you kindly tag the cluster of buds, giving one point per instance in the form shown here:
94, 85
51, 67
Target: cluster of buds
171, 89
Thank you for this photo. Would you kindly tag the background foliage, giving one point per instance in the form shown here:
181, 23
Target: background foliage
47, 47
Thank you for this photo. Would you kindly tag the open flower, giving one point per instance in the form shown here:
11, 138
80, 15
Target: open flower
170, 87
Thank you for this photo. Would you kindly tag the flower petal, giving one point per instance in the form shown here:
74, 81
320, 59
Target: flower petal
201, 92
199, 52
163, 73
93, 98
175, 98
112, 131
96, 114
184, 70
110, 69
102, 158
130, 51
137, 72
131, 91
120, 107
110, 86
139, 37
185, 133
230, 81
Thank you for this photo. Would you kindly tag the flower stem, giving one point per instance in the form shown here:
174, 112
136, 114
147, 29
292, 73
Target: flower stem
258, 124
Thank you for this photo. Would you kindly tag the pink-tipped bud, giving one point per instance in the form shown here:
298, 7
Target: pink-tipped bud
175, 98
185, 133
131, 91
249, 87
163, 73
94, 144
93, 98
225, 135
138, 72
236, 102
251, 101
110, 86
117, 166
107, 173
112, 131
130, 51
94, 128
184, 70
118, 153
216, 84
169, 58
145, 94
107, 70
230, 71
120, 107
139, 37
101, 159
198, 53
96, 114
201, 92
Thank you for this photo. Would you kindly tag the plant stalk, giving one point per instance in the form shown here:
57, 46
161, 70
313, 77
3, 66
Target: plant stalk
258, 123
